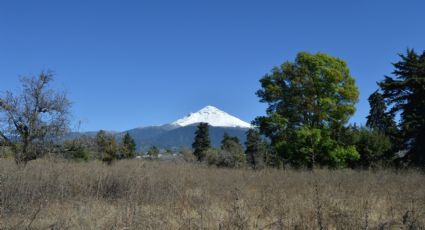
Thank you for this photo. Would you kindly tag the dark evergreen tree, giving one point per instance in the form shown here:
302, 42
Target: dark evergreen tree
256, 149
202, 141
378, 117
405, 93
381, 121
128, 146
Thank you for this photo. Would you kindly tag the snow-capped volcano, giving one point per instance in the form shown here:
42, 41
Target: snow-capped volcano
213, 117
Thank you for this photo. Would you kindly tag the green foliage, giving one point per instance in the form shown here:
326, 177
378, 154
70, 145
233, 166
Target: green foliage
230, 143
256, 149
309, 101
340, 156
211, 156
153, 152
378, 117
231, 153
128, 147
384, 131
202, 141
308, 147
301, 147
107, 146
76, 150
406, 94
316, 91
372, 145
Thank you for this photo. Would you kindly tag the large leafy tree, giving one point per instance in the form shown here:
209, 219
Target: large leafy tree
29, 120
315, 96
202, 141
405, 93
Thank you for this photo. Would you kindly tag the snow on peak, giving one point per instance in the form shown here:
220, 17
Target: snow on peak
213, 117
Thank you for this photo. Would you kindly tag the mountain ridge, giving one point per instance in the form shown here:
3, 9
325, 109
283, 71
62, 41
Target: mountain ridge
180, 133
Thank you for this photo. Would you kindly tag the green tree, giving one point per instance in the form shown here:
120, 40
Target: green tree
128, 146
381, 121
153, 152
307, 146
372, 146
378, 117
256, 149
202, 141
313, 98
107, 146
231, 153
405, 94
76, 150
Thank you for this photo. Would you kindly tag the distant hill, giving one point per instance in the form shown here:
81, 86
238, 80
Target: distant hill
180, 134
163, 137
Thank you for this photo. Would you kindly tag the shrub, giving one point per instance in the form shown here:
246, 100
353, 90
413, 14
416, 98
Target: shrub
212, 156
188, 155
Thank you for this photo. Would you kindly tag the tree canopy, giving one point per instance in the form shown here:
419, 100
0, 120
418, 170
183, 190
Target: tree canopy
308, 100
378, 117
405, 94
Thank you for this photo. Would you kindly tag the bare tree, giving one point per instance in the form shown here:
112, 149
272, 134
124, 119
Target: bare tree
38, 115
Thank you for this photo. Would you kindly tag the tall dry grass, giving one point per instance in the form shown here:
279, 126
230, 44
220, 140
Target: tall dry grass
135, 194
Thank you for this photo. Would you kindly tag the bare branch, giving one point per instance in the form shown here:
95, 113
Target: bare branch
37, 113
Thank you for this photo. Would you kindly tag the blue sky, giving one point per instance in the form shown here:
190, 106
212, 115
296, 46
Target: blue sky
126, 64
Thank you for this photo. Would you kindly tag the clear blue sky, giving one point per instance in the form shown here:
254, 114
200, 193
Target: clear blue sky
126, 64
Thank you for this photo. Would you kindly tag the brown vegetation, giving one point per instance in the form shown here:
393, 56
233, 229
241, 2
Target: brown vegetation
133, 194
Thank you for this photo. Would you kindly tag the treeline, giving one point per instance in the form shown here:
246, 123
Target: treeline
102, 147
310, 102
231, 152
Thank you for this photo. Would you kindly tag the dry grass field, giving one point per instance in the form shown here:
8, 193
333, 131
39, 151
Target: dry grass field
54, 194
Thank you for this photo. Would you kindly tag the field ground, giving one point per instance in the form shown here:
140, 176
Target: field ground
54, 194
